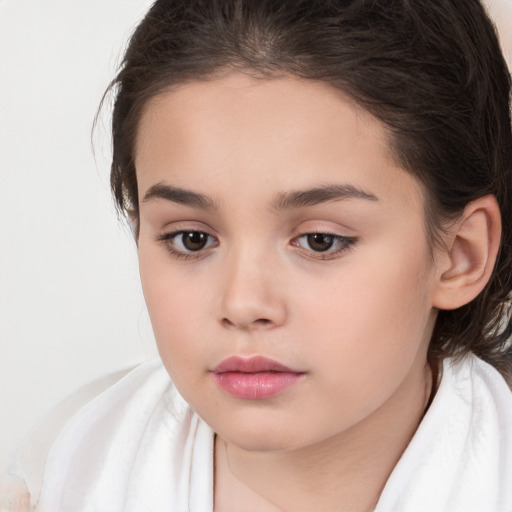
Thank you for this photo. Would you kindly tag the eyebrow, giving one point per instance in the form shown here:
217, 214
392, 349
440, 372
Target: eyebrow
283, 201
180, 196
317, 195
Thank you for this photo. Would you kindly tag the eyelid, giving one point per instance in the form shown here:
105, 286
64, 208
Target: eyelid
347, 244
167, 239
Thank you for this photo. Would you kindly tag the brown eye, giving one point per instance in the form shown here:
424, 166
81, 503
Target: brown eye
194, 240
186, 244
324, 245
320, 242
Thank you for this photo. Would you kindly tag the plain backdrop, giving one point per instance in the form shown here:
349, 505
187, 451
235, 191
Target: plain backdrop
71, 308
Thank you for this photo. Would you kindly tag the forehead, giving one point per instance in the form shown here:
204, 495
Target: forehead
269, 134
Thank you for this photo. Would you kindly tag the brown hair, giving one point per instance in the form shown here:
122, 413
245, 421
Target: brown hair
431, 70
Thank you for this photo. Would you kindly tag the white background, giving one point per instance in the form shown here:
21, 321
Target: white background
70, 302
71, 308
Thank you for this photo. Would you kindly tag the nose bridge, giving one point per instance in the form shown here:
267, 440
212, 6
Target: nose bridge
250, 294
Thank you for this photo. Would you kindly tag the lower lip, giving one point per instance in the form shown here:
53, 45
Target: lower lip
256, 386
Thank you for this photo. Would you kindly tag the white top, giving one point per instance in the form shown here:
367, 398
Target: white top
138, 446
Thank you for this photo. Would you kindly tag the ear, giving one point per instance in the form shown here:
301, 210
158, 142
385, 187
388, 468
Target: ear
466, 263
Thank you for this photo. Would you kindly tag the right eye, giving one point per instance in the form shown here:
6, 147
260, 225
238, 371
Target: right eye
185, 243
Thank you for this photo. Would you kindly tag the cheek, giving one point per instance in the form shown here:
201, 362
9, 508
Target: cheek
374, 314
172, 301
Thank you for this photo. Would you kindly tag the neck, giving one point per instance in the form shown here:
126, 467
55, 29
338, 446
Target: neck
348, 470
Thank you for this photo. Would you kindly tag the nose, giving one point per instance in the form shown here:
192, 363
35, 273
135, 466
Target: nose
252, 297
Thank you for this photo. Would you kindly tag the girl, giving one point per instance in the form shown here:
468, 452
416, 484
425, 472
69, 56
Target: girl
321, 194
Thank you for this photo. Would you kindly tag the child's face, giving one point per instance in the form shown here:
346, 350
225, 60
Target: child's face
348, 310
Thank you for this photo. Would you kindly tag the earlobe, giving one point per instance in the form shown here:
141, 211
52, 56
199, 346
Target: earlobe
472, 249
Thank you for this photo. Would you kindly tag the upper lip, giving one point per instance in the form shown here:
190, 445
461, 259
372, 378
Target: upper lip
252, 364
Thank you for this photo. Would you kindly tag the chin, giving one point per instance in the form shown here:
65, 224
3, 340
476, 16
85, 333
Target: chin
262, 439
260, 443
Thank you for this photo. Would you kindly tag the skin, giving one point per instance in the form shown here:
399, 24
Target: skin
357, 322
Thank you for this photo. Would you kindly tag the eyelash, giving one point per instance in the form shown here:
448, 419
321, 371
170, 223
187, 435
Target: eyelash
345, 244
167, 240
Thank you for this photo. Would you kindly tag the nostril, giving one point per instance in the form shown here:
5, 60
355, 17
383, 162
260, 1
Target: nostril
260, 322
227, 323
263, 321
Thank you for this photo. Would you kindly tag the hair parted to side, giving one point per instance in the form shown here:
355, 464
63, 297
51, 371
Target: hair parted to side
431, 70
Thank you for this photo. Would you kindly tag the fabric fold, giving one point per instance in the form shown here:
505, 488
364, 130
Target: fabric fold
139, 447
460, 459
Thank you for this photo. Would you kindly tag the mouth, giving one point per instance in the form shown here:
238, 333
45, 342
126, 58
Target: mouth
254, 378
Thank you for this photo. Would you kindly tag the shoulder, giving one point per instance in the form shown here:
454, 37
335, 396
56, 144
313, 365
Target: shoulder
86, 422
474, 390
24, 477
472, 379
462, 448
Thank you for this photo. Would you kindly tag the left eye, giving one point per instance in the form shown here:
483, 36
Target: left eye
323, 242
188, 241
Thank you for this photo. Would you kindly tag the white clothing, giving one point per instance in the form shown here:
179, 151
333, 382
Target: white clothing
139, 447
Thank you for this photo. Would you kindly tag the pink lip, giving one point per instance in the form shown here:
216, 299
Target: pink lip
254, 378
